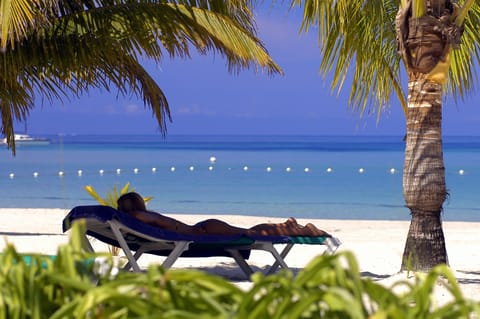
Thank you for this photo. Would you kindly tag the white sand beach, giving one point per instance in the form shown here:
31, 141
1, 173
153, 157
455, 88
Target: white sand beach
378, 245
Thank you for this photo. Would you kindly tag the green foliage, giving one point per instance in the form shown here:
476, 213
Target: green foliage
358, 42
59, 49
70, 285
332, 287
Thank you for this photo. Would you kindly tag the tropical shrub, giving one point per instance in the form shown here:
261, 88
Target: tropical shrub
70, 285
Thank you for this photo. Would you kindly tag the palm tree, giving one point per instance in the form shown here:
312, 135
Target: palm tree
58, 49
368, 41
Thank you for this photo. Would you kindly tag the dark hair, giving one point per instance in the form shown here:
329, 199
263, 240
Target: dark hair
131, 202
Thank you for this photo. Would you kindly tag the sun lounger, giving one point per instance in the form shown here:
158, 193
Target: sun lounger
135, 238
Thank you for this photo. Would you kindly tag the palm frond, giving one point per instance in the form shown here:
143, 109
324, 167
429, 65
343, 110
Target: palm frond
463, 76
357, 41
16, 17
418, 8
98, 44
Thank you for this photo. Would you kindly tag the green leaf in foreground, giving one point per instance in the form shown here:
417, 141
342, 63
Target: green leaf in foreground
68, 285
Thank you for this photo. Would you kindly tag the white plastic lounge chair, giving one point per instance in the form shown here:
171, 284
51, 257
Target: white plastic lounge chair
135, 238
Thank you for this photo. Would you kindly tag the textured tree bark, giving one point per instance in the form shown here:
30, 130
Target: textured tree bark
425, 246
424, 187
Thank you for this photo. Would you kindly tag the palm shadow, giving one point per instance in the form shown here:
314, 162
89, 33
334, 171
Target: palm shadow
469, 281
374, 277
232, 272
10, 233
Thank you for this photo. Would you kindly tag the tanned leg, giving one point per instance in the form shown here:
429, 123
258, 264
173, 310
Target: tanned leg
218, 227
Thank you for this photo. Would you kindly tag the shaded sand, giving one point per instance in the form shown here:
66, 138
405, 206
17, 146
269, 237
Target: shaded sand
378, 246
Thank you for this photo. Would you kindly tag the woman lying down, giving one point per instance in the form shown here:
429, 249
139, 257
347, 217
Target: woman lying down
134, 205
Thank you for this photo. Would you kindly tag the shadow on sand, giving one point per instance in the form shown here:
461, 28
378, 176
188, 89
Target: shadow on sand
29, 234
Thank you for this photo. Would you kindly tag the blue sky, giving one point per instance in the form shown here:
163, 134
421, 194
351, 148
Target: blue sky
206, 99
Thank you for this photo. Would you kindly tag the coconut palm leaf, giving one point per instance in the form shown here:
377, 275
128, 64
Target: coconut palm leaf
349, 31
80, 45
465, 60
438, 43
358, 41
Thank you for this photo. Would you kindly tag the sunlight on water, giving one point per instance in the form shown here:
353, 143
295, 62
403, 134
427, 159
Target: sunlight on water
317, 177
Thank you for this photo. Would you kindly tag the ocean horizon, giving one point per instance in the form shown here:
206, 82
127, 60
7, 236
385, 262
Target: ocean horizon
329, 177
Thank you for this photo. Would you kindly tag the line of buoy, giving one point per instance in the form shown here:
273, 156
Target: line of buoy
192, 168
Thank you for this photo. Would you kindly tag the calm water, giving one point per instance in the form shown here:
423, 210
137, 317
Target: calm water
315, 177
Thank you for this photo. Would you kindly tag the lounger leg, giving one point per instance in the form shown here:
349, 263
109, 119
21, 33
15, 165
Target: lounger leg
279, 259
283, 254
241, 262
123, 244
266, 246
136, 256
179, 248
87, 245
332, 245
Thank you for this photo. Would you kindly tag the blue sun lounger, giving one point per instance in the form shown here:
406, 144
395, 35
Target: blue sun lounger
136, 238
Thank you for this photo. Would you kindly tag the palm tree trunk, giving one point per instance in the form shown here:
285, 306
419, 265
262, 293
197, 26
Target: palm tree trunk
424, 186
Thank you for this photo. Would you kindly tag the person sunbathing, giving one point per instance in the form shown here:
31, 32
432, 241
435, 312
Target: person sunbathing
133, 204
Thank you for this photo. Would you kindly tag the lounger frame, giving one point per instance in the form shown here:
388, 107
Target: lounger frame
135, 238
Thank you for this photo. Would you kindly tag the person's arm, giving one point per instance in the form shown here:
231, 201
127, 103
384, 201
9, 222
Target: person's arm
159, 220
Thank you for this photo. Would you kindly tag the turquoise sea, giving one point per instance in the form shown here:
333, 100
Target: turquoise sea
303, 176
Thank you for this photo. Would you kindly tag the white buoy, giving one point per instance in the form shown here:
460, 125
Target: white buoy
212, 159
461, 172
288, 169
210, 168
191, 168
60, 173
154, 169
11, 175
361, 170
245, 168
79, 172
392, 170
119, 171
269, 169
35, 174
101, 172
306, 170
329, 170
172, 169
135, 170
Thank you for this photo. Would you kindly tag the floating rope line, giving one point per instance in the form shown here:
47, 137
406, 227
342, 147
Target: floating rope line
192, 168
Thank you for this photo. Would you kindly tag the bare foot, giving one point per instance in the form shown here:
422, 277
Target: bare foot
291, 222
315, 231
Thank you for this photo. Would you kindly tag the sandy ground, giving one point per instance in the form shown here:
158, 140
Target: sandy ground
377, 245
